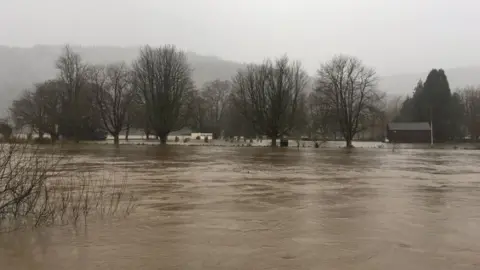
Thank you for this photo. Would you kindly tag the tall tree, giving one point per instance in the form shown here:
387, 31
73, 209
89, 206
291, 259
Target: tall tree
348, 88
470, 98
215, 94
114, 95
24, 112
39, 109
47, 100
457, 117
198, 113
435, 101
269, 94
413, 108
72, 73
234, 122
393, 108
321, 119
163, 78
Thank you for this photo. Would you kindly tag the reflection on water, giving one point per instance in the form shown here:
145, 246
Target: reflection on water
258, 208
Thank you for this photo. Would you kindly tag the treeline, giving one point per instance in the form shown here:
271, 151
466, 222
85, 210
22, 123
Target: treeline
453, 115
156, 93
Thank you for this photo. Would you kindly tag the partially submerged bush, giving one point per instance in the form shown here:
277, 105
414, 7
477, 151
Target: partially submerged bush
36, 191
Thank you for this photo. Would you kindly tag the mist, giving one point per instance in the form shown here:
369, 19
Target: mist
392, 36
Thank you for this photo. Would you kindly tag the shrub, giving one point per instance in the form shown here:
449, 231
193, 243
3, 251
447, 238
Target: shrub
198, 138
36, 191
206, 139
177, 139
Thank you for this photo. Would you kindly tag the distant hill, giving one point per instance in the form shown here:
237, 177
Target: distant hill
21, 67
403, 84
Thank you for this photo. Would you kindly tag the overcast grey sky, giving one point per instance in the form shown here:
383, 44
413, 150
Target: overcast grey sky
395, 36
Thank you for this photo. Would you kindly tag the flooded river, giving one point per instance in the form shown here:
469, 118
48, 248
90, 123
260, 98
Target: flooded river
258, 208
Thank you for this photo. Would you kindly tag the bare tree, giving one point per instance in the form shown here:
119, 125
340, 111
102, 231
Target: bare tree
72, 73
40, 109
393, 106
389, 110
234, 123
269, 94
471, 100
47, 99
320, 118
215, 94
163, 77
137, 118
198, 112
24, 112
348, 88
114, 95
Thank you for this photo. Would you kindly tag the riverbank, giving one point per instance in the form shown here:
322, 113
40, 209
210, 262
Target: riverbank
301, 144
266, 143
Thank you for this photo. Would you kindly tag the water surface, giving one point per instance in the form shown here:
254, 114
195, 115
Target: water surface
258, 208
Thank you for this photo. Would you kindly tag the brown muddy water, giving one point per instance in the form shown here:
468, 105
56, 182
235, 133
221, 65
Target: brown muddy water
258, 208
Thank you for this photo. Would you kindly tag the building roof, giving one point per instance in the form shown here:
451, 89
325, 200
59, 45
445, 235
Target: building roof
424, 126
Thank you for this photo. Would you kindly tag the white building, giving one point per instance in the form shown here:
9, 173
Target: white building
202, 136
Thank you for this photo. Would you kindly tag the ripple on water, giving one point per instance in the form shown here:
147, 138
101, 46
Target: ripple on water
258, 208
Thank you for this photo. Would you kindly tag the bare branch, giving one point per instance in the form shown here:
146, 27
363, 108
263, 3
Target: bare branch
114, 94
163, 79
348, 88
268, 95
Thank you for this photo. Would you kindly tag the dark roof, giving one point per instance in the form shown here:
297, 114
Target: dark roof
409, 126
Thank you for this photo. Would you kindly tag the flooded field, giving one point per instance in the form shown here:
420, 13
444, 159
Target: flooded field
262, 208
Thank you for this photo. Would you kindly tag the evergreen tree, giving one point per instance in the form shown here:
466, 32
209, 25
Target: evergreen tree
436, 100
433, 101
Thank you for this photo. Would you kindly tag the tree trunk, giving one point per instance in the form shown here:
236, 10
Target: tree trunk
116, 139
163, 138
274, 141
348, 142
127, 131
40, 135
147, 134
76, 136
373, 131
53, 137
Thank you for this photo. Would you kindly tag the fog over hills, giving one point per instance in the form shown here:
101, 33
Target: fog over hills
20, 68
403, 84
